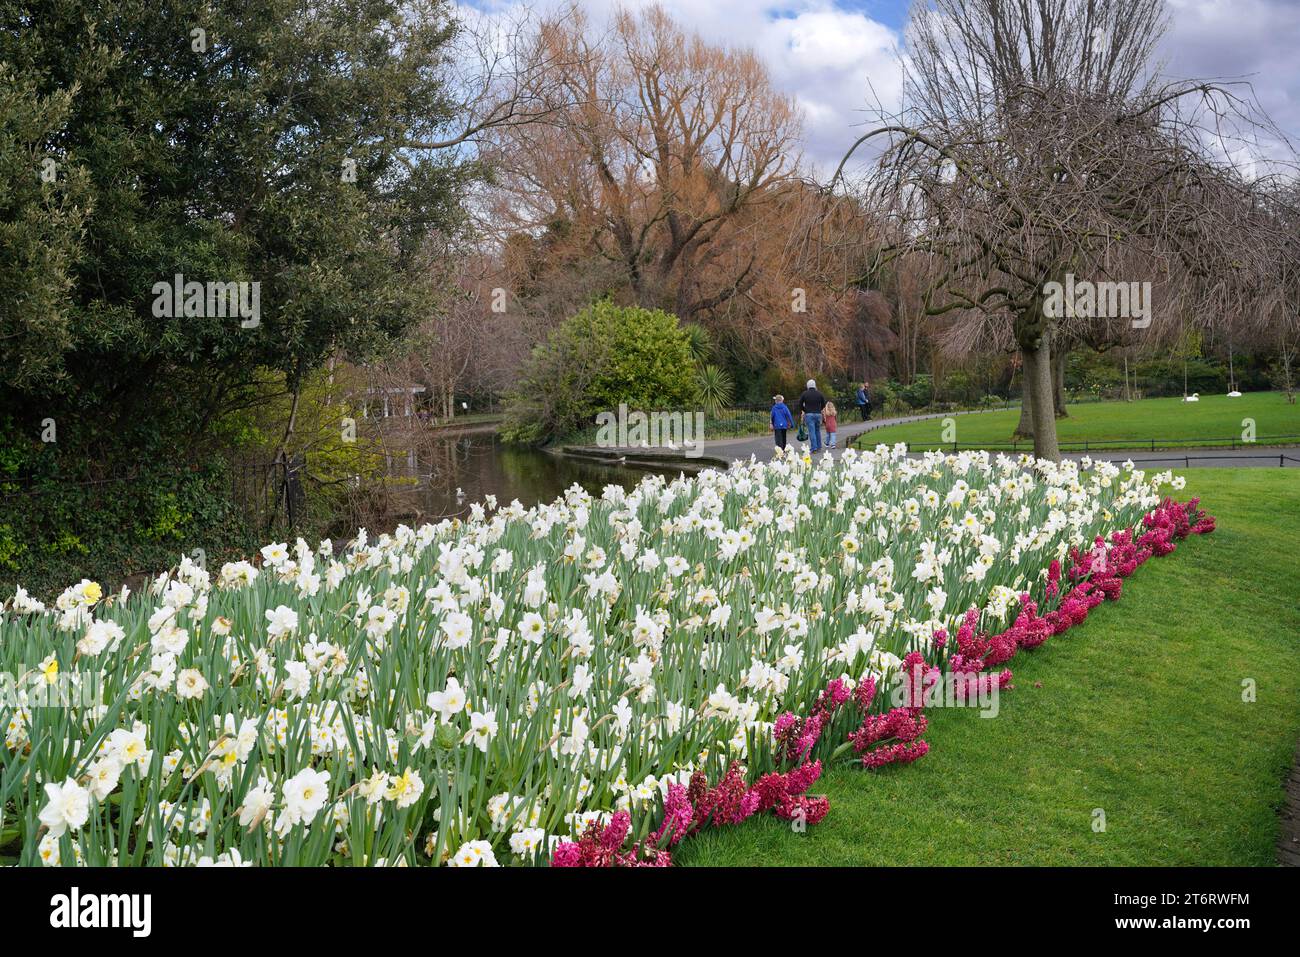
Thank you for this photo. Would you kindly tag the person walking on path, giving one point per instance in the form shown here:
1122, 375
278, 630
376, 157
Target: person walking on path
782, 420
863, 401
811, 403
830, 418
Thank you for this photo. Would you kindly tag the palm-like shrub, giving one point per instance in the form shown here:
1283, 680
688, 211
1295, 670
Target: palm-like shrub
716, 388
699, 342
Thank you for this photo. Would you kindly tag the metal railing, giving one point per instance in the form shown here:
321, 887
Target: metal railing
1101, 445
1283, 461
266, 492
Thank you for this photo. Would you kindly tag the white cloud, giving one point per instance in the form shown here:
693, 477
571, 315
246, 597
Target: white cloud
840, 67
1251, 40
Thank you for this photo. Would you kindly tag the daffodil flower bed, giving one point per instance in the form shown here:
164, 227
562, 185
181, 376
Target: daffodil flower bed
556, 684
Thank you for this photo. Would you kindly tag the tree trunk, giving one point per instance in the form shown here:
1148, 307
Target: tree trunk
282, 450
1025, 429
1038, 391
1058, 383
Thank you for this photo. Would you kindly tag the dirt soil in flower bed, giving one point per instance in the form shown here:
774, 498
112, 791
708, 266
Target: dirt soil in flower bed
1137, 713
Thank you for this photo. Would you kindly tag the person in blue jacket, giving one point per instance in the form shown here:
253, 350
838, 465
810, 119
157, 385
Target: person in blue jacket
863, 401
782, 420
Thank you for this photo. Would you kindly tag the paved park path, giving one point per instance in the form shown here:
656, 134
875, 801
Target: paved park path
762, 445
1257, 457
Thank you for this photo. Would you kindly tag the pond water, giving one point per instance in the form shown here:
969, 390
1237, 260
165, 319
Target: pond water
455, 472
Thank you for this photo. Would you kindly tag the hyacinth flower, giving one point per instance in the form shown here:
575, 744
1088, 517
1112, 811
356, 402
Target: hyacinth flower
687, 810
603, 847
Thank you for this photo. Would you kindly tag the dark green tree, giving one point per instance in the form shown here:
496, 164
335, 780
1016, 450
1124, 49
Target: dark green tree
255, 141
41, 215
229, 141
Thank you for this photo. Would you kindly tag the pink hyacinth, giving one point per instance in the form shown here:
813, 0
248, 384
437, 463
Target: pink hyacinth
903, 724
864, 694
895, 754
603, 847
678, 817
567, 854
836, 693
811, 809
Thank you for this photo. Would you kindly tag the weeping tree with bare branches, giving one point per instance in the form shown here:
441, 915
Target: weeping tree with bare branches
1277, 321
1037, 144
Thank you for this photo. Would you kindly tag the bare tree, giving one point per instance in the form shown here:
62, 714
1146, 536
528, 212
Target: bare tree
1038, 143
500, 73
655, 147
1277, 318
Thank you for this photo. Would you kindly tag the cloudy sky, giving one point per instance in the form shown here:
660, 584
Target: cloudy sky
838, 59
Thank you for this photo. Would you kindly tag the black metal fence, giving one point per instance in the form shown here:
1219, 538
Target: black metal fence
271, 493
1283, 461
1102, 445
267, 493
1282, 458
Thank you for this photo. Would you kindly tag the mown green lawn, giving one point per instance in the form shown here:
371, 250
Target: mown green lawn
1137, 712
1214, 420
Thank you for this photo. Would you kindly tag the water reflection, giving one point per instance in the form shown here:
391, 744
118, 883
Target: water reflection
450, 474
